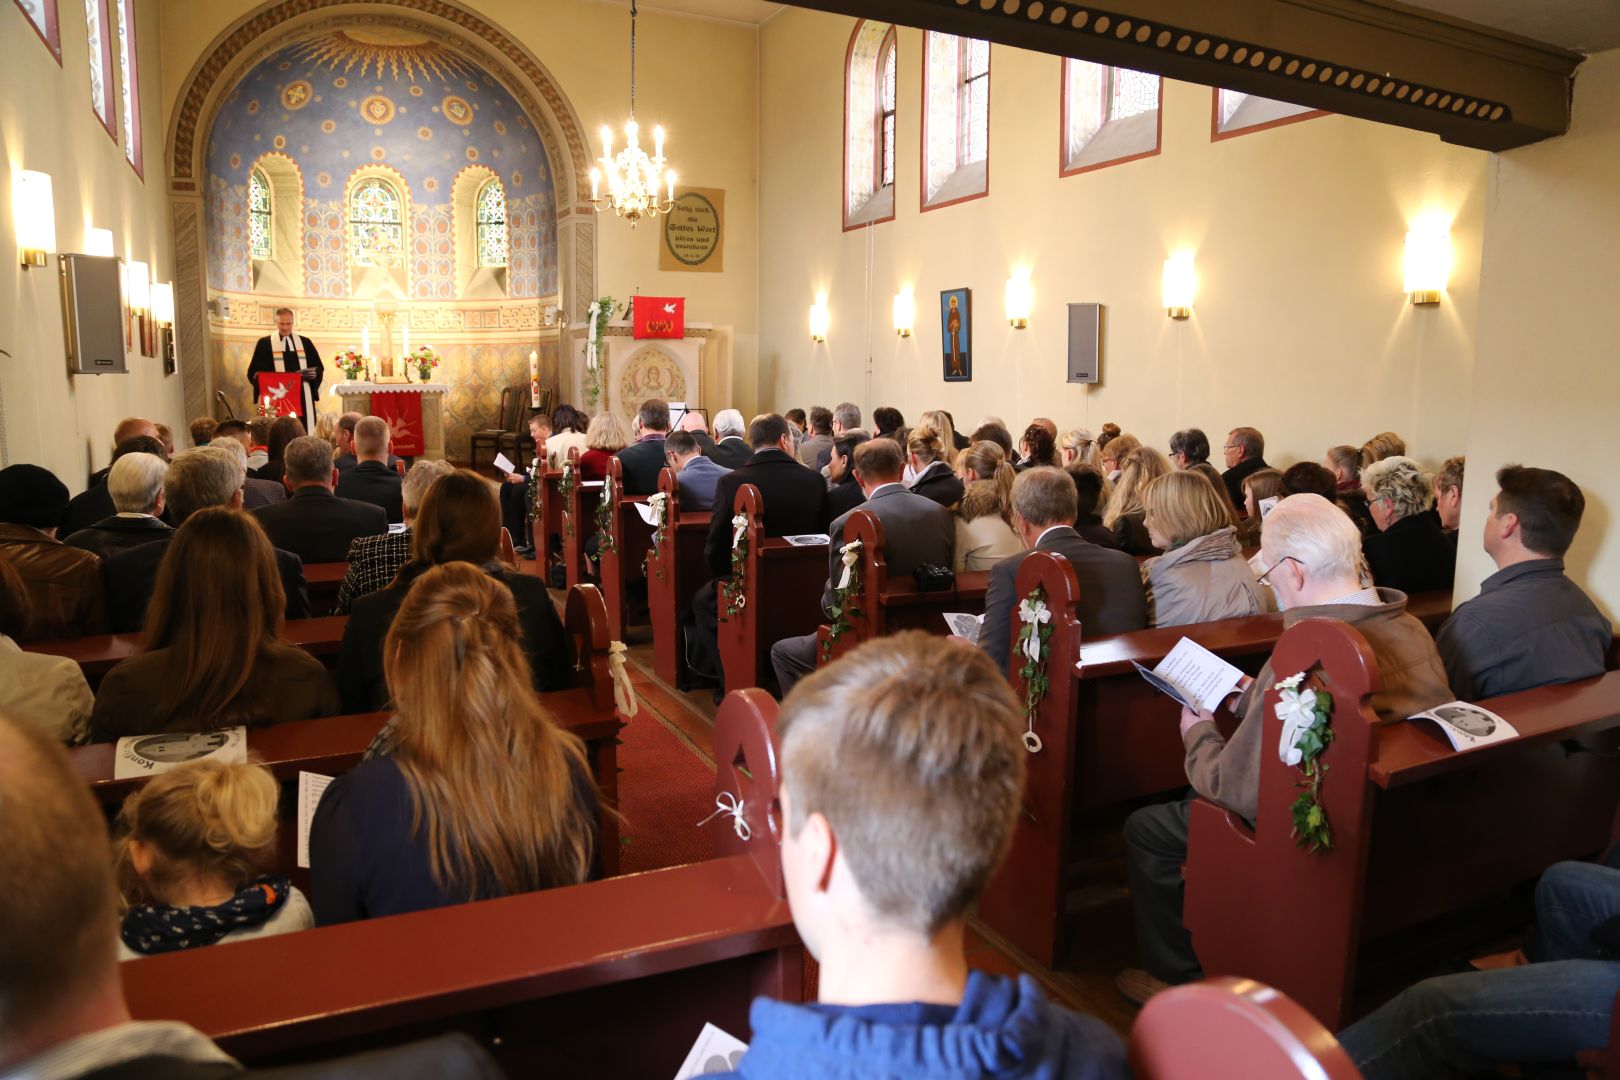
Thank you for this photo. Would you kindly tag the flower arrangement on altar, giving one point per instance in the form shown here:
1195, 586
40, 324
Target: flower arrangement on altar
351, 363
424, 360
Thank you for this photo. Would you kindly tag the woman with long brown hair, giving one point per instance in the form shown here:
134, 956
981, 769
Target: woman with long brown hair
283, 431
984, 523
211, 655
477, 792
1126, 515
459, 521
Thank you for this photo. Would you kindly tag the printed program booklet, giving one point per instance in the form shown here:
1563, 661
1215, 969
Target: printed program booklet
963, 625
716, 1051
148, 755
1466, 725
1193, 675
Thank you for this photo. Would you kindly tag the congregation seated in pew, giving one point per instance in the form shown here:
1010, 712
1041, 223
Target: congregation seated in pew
1312, 553
135, 484
49, 693
1091, 492
208, 476
315, 524
460, 521
603, 439
984, 517
133, 435
374, 560
697, 476
63, 583
212, 655
371, 479
1126, 514
930, 457
233, 435
1202, 575
843, 490
1410, 551
470, 791
641, 461
194, 849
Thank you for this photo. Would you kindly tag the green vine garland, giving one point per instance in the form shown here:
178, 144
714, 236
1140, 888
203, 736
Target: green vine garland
732, 590
606, 545
600, 313
1037, 627
846, 600
660, 512
565, 492
1306, 733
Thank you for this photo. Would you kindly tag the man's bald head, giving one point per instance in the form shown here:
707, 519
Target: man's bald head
131, 426
59, 908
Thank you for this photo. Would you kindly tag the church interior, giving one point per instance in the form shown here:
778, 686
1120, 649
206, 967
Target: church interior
1321, 221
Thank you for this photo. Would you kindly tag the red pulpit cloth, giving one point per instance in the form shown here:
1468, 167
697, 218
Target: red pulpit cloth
658, 317
404, 415
284, 390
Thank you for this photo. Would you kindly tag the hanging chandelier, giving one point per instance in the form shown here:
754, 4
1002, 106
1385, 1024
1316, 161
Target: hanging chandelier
633, 178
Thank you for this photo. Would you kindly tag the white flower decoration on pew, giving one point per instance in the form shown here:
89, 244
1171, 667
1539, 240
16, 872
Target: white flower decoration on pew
658, 503
624, 696
850, 554
739, 525
1306, 733
1032, 612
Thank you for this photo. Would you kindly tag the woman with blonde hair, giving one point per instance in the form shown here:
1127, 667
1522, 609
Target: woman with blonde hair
605, 437
984, 522
1202, 574
1125, 515
1386, 444
945, 428
1114, 454
194, 851
211, 656
928, 453
1410, 551
476, 792
1077, 447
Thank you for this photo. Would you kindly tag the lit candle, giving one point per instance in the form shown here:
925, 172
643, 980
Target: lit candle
365, 340
407, 339
658, 141
607, 142
672, 185
596, 183
267, 401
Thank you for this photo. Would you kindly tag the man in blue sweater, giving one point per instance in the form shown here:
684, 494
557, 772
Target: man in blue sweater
902, 771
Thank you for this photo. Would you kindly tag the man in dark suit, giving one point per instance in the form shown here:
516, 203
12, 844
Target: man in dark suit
373, 480
917, 531
1245, 456
96, 502
196, 479
693, 423
644, 459
255, 492
1112, 600
698, 476
136, 484
315, 524
344, 458
287, 351
731, 449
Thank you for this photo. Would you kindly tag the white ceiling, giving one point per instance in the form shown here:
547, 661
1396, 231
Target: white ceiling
1582, 25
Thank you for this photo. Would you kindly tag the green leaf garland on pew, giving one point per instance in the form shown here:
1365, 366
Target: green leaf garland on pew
565, 491
1306, 732
660, 510
604, 521
846, 598
1035, 646
732, 590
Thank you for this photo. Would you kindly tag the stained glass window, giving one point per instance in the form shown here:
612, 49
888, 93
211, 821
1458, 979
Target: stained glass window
259, 215
129, 82
943, 57
491, 224
95, 16
1236, 111
1098, 97
886, 99
42, 13
376, 222
1131, 93
976, 100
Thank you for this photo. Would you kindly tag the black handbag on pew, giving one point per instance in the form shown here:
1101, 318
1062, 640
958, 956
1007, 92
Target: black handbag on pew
931, 578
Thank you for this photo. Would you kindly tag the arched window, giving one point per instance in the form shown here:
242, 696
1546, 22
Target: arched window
492, 224
956, 126
259, 209
869, 125
376, 222
1236, 112
1110, 115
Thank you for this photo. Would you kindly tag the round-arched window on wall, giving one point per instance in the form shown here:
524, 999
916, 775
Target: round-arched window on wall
491, 208
376, 222
259, 209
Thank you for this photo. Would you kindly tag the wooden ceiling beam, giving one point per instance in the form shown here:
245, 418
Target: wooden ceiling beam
1375, 60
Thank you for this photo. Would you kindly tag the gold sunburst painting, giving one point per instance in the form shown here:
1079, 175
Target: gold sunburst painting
387, 50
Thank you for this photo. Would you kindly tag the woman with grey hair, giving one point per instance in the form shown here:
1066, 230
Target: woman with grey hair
1409, 552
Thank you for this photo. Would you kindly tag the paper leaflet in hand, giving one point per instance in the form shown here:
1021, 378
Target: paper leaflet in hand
504, 463
714, 1052
1193, 675
1266, 506
311, 786
1466, 725
963, 625
148, 755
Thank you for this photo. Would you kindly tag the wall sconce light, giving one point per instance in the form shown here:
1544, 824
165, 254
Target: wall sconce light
34, 211
1179, 285
1428, 260
163, 315
98, 242
905, 313
820, 318
1020, 297
138, 291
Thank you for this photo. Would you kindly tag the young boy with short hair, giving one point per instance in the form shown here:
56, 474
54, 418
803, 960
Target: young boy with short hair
902, 774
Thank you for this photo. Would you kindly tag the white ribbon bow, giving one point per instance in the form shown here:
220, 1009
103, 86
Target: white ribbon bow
728, 804
850, 554
1297, 711
656, 503
739, 525
623, 695
1033, 615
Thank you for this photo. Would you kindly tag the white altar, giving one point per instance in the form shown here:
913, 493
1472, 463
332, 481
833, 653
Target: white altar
634, 369
371, 398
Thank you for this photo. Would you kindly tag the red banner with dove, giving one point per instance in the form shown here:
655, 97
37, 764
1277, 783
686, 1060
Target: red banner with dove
658, 317
404, 415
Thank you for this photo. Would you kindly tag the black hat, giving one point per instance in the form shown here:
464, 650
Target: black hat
30, 495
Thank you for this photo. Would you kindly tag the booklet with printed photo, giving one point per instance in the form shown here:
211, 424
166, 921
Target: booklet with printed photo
963, 625
1193, 675
808, 539
1466, 725
148, 755
716, 1051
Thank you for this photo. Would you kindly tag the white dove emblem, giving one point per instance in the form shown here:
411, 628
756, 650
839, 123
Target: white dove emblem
278, 392
669, 309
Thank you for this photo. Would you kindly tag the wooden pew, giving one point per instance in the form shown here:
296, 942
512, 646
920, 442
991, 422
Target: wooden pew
1233, 1029
781, 597
548, 520
1418, 830
676, 569
620, 561
891, 604
578, 522
609, 978
324, 580
320, 637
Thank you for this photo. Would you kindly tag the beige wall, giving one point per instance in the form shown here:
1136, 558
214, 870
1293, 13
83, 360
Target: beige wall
1547, 382
63, 422
1300, 325
695, 76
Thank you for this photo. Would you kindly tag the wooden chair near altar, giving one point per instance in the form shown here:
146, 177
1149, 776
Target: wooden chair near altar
518, 439
545, 980
676, 569
777, 595
506, 421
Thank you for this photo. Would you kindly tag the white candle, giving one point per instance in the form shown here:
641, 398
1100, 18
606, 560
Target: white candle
365, 340
407, 339
658, 141
596, 183
672, 186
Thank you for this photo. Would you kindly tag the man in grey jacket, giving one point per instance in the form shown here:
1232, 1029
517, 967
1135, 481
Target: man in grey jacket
1112, 600
916, 530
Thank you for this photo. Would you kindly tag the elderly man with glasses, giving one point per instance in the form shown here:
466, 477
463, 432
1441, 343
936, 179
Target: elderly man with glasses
1312, 555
